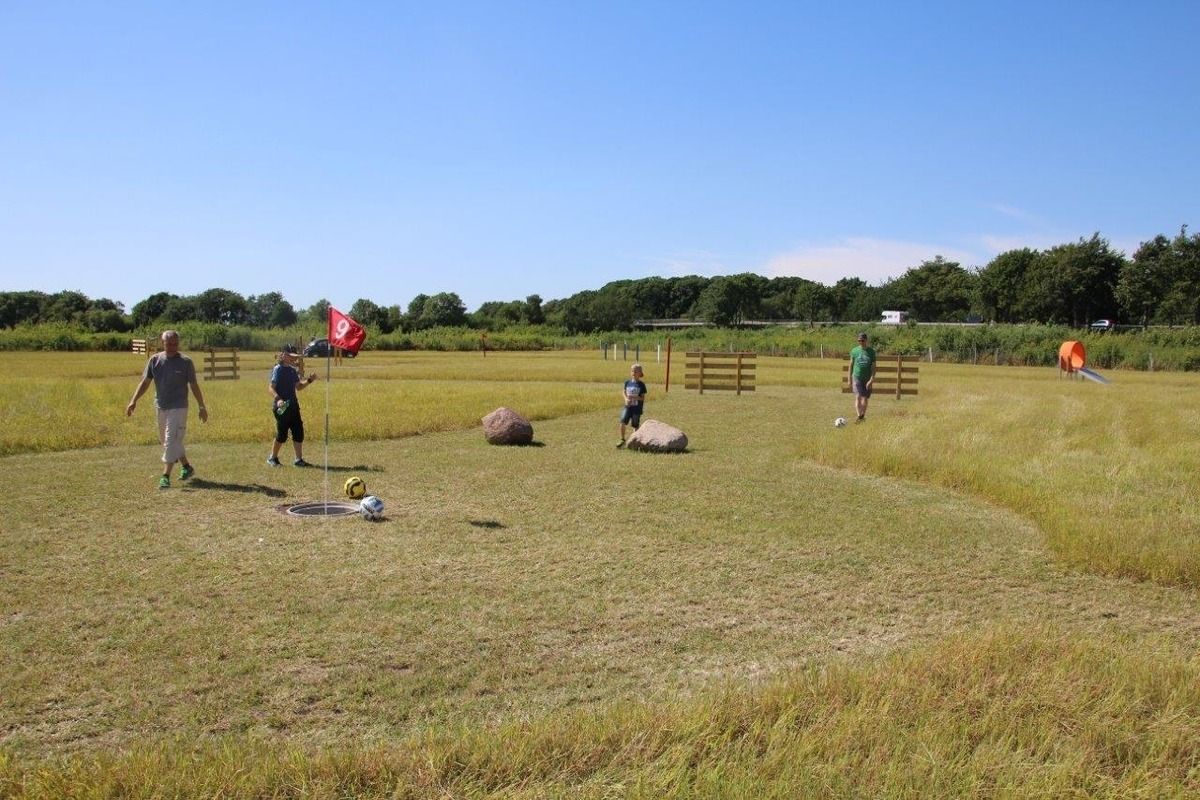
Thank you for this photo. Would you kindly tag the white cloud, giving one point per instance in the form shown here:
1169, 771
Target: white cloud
873, 260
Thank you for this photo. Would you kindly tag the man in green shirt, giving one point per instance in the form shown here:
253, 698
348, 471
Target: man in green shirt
862, 374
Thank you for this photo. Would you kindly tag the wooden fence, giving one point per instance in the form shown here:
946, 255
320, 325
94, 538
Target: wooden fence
894, 375
728, 372
221, 364
145, 347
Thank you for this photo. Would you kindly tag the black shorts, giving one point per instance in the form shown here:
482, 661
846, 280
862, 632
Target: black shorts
289, 421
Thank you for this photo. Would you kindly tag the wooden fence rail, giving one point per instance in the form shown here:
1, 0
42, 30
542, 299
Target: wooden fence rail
894, 375
144, 347
729, 372
221, 364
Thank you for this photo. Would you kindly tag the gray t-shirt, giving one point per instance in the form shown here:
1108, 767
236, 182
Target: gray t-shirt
171, 379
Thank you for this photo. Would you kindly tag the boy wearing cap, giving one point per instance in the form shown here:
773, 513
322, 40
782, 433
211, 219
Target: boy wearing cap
862, 374
285, 382
633, 399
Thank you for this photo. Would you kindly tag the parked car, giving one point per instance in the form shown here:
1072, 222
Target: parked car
319, 348
1103, 325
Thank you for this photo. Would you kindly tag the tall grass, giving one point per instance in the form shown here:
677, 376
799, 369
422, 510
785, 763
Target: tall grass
1006, 713
1105, 471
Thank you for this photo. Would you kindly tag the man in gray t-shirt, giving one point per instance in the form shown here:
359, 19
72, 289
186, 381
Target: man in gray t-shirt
172, 373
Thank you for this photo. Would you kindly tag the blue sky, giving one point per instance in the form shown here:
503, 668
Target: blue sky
496, 150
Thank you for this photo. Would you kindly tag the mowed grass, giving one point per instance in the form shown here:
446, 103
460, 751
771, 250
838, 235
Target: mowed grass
753, 618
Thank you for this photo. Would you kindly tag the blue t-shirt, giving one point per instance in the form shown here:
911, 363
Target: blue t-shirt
635, 392
284, 378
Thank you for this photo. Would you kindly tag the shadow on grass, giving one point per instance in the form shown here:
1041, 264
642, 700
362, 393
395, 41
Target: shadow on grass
244, 488
347, 468
486, 523
519, 444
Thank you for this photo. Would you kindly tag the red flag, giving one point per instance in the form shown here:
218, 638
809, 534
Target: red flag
345, 332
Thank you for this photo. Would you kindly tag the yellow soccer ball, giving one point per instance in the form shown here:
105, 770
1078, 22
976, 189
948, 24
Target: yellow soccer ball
355, 487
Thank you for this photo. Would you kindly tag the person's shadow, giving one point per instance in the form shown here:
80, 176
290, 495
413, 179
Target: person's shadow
244, 488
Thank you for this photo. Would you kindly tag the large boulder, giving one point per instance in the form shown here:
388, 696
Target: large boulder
658, 437
505, 426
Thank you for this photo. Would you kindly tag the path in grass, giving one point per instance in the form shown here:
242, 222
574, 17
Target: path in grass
506, 582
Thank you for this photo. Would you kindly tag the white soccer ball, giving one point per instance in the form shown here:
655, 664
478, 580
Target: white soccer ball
371, 507
840, 422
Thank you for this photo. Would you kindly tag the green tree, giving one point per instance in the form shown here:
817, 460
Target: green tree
1181, 304
1075, 283
444, 309
847, 295
66, 307
270, 310
366, 312
1145, 280
150, 309
811, 302
318, 312
534, 314
685, 291
731, 300
413, 315
1001, 284
180, 309
18, 308
936, 291
222, 306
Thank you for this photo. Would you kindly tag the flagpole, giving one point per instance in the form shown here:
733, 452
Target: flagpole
328, 361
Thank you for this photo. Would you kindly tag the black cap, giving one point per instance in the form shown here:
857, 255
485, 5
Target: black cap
289, 348
862, 336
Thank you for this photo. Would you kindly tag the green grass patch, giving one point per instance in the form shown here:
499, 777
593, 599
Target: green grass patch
786, 609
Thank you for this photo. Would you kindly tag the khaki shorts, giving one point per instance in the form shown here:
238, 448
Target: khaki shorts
172, 428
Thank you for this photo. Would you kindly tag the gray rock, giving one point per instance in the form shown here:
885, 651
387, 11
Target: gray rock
658, 437
505, 426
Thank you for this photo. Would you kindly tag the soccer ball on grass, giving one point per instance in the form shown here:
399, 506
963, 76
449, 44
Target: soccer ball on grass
371, 507
840, 422
354, 487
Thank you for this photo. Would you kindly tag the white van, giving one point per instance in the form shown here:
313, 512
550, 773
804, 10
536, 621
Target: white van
894, 318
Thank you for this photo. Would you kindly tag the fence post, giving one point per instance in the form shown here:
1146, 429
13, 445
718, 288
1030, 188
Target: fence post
701, 372
739, 373
667, 388
900, 372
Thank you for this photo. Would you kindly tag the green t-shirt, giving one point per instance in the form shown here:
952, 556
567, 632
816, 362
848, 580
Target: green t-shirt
862, 362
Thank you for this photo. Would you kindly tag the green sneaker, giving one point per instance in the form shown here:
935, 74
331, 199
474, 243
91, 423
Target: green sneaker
186, 472
164, 482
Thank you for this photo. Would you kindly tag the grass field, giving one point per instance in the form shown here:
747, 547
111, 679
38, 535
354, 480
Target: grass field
987, 590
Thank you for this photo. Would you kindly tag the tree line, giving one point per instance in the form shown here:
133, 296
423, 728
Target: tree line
1069, 284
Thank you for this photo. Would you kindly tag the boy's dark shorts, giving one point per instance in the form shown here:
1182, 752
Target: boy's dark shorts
289, 422
630, 415
860, 388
